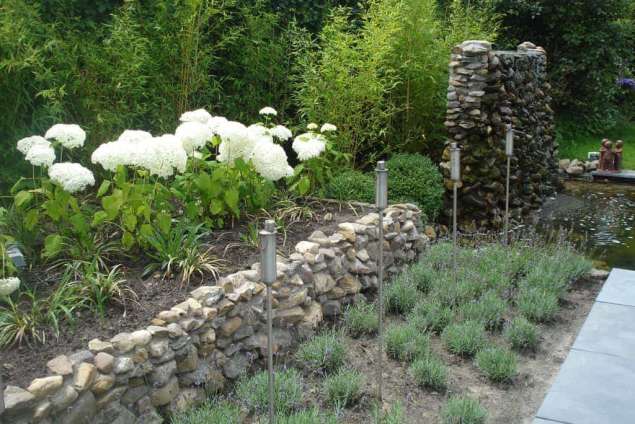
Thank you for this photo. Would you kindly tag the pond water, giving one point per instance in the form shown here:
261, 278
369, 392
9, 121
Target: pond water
599, 216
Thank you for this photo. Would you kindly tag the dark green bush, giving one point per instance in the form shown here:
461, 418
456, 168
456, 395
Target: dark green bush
415, 179
463, 410
465, 339
497, 364
522, 334
352, 186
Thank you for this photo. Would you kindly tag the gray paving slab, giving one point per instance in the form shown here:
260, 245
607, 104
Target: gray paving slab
610, 329
592, 388
619, 288
541, 421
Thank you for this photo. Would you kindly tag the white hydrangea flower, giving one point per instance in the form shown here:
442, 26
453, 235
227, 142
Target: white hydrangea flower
312, 126
235, 142
72, 177
9, 285
328, 128
194, 135
268, 111
199, 115
110, 155
215, 123
270, 161
309, 145
167, 154
281, 132
69, 135
26, 143
41, 155
134, 136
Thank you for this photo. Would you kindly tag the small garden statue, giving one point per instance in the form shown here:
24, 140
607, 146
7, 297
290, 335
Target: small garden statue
605, 151
617, 155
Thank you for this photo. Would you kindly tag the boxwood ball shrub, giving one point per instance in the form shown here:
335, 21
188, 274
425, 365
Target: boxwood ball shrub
416, 179
361, 318
352, 185
253, 391
465, 338
498, 364
430, 371
522, 334
405, 342
343, 388
463, 410
537, 304
431, 315
323, 354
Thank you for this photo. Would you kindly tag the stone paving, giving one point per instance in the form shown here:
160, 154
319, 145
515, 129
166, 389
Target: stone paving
596, 383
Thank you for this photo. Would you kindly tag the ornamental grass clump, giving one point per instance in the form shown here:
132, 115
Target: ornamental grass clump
538, 305
422, 276
463, 410
307, 416
322, 354
522, 334
431, 315
405, 342
401, 295
429, 371
361, 318
253, 392
498, 364
343, 388
465, 338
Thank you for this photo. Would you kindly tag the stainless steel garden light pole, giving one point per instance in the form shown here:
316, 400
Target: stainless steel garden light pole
509, 152
381, 202
455, 175
268, 272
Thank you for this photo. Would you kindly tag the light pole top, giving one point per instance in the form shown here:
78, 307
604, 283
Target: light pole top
509, 140
455, 162
381, 185
268, 265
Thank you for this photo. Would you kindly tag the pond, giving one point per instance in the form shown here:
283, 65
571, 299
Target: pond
599, 216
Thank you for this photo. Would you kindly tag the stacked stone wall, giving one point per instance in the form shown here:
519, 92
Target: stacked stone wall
487, 90
218, 333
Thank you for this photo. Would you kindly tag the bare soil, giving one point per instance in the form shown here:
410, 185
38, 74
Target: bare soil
512, 403
21, 364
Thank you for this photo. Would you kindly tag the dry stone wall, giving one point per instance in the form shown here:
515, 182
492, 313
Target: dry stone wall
218, 333
487, 90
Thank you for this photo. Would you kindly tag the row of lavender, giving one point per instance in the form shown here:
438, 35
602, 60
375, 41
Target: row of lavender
218, 333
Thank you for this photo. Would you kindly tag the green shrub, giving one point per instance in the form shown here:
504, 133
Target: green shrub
489, 309
352, 185
430, 371
323, 354
522, 334
307, 416
212, 411
253, 391
463, 410
361, 318
416, 179
422, 276
431, 316
401, 295
343, 388
465, 339
405, 342
538, 305
497, 364
450, 293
